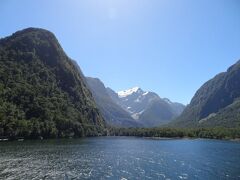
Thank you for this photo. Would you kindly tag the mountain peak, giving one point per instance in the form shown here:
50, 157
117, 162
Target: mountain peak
33, 30
147, 107
128, 92
31, 33
44, 81
36, 42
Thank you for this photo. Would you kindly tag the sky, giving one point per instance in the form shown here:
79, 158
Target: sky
170, 47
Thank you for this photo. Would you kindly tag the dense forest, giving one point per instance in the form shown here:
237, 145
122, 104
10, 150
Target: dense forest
211, 133
42, 94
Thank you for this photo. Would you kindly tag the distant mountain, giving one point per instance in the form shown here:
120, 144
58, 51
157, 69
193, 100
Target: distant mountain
113, 113
216, 103
42, 93
147, 108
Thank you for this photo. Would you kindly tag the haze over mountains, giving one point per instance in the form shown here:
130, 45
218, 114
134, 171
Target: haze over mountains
147, 107
44, 93
113, 113
140, 108
215, 104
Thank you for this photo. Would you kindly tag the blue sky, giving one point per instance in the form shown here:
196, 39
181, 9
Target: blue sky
167, 46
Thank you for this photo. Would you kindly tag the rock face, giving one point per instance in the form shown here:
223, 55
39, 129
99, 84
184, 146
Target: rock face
114, 114
147, 108
41, 91
216, 103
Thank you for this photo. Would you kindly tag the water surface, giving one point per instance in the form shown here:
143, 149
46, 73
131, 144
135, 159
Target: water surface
120, 158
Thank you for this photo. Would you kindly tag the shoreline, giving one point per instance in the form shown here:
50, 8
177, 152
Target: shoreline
147, 138
191, 138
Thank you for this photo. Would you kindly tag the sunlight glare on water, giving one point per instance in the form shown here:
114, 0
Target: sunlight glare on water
120, 158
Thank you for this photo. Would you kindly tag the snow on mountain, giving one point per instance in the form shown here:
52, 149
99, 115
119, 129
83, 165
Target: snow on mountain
135, 100
147, 107
107, 102
167, 100
128, 92
144, 94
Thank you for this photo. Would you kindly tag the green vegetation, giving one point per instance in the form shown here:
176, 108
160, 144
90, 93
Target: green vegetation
226, 117
41, 91
43, 94
211, 133
215, 103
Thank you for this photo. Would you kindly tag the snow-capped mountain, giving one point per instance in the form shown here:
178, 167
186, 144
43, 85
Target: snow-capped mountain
135, 100
129, 92
113, 113
147, 107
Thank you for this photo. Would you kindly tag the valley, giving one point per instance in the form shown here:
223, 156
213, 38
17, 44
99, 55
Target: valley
45, 94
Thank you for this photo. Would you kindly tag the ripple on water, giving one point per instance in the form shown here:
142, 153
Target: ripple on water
101, 158
183, 176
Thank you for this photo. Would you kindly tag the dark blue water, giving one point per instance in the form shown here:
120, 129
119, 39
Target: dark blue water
120, 158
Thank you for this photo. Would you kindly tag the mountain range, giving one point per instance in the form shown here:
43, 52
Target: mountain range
147, 107
133, 107
44, 93
114, 114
